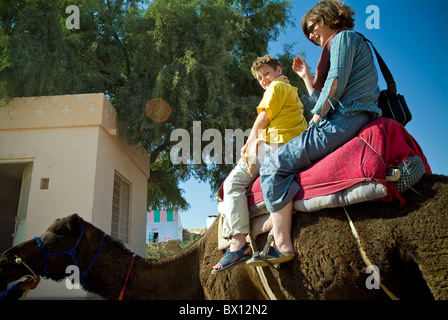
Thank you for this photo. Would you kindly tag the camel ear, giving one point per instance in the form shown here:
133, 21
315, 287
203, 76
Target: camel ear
74, 223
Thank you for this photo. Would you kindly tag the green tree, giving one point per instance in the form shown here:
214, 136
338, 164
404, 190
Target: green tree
194, 54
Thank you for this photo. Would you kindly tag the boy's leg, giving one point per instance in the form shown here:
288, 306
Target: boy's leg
236, 211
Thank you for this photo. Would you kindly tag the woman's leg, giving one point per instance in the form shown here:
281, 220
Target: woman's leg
279, 168
282, 249
281, 226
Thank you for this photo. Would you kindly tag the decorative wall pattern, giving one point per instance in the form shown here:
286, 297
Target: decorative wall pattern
58, 111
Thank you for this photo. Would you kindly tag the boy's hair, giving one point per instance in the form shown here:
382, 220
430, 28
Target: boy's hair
262, 61
333, 13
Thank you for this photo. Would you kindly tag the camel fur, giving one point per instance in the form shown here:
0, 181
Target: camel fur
408, 244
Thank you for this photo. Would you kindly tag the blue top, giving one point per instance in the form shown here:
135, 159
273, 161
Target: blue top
351, 62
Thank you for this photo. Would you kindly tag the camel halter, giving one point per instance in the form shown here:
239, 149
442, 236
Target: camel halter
72, 253
33, 275
19, 260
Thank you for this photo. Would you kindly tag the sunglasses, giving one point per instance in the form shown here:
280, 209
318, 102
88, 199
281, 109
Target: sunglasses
311, 28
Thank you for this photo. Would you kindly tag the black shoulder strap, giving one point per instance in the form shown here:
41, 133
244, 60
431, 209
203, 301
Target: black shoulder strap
391, 86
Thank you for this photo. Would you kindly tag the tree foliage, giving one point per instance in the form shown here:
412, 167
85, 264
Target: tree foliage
195, 54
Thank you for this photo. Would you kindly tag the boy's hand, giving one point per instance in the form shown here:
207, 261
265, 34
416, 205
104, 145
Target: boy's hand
243, 150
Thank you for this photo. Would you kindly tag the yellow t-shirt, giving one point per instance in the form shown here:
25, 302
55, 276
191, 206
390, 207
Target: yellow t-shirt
285, 112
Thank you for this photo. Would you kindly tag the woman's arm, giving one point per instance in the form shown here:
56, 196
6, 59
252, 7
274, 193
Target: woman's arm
333, 87
342, 55
301, 68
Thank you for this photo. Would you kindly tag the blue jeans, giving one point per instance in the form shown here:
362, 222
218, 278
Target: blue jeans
279, 168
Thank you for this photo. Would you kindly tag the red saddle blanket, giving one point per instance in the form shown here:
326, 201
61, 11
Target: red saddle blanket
383, 143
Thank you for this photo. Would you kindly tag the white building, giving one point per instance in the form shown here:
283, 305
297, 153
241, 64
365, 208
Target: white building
61, 155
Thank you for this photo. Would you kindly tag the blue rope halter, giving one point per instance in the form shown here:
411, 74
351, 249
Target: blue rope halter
72, 253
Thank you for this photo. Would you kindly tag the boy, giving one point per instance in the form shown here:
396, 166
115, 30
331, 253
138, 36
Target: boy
280, 118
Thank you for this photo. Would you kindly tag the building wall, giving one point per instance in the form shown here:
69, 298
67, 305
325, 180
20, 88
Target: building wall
110, 159
67, 157
165, 230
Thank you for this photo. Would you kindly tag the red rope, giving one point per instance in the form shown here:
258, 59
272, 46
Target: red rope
127, 277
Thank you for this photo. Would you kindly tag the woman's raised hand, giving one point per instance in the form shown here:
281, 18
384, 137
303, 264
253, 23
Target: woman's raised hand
301, 67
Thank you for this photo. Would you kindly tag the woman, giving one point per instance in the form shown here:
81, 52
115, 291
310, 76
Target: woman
345, 91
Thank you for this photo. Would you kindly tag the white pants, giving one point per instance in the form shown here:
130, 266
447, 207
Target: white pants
235, 208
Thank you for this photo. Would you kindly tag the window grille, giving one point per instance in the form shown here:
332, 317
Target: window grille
121, 208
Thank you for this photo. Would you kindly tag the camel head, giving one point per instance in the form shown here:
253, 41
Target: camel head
28, 257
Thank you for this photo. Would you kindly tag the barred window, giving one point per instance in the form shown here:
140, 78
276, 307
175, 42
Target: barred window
121, 208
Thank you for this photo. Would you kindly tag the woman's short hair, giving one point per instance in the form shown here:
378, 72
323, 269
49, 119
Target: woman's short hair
262, 61
333, 13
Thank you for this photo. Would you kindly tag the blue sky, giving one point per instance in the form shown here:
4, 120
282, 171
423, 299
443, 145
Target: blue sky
412, 41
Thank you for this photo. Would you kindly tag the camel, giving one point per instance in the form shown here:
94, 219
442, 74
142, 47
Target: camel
408, 245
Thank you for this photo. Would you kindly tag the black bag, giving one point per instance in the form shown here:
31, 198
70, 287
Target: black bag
392, 105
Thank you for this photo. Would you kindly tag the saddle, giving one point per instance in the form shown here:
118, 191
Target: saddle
380, 163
